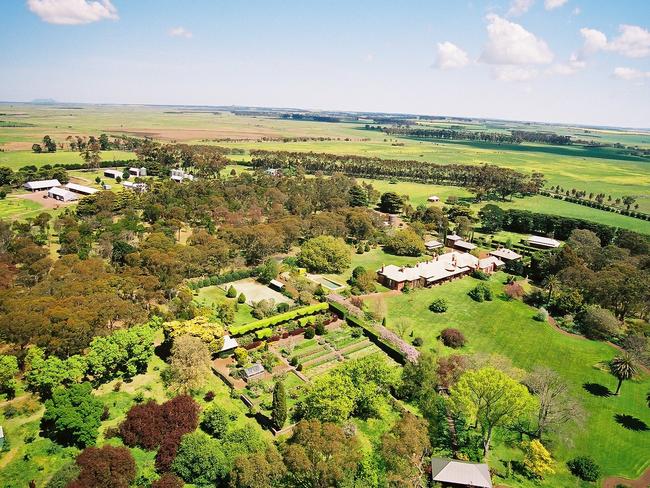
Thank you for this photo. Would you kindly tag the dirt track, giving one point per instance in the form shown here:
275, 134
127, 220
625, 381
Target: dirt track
642, 482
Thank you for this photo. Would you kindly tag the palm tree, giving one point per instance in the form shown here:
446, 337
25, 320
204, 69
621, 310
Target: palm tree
623, 367
552, 282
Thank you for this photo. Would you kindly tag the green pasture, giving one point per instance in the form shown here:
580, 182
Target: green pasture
18, 209
508, 328
592, 170
419, 192
17, 159
608, 170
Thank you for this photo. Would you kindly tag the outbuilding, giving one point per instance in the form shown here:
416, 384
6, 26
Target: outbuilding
276, 285
433, 198
62, 194
457, 474
505, 254
433, 245
113, 173
84, 190
138, 172
253, 371
543, 242
40, 185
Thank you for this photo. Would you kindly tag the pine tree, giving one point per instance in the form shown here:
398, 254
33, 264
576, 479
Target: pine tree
279, 413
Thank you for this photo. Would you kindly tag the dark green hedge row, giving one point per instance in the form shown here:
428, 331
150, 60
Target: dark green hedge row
278, 319
390, 350
223, 278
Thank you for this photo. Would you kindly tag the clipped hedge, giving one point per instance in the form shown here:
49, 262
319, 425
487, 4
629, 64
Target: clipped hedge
278, 319
390, 350
264, 333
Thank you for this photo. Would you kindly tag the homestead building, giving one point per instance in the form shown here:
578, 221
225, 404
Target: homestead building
440, 269
505, 254
456, 242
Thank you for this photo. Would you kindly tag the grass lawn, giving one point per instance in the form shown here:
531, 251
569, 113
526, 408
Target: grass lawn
18, 208
418, 192
213, 295
373, 260
507, 328
18, 159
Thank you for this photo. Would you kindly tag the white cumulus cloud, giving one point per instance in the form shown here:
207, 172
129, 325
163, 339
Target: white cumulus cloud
180, 32
450, 56
572, 66
519, 7
510, 43
632, 42
630, 74
553, 4
73, 12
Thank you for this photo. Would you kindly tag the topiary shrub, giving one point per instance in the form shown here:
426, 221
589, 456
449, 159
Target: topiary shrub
452, 338
439, 305
320, 328
241, 298
293, 361
282, 307
231, 293
310, 333
584, 468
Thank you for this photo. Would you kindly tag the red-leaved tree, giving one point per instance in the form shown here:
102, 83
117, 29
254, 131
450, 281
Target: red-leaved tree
168, 480
152, 426
104, 467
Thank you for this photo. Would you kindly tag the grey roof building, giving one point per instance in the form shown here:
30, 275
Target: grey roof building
253, 370
454, 473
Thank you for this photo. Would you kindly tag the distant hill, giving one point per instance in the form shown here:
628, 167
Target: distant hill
44, 101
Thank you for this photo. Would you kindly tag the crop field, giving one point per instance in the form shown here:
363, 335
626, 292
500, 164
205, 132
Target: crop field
592, 169
508, 328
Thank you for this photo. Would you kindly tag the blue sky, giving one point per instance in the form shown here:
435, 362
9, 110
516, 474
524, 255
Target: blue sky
578, 61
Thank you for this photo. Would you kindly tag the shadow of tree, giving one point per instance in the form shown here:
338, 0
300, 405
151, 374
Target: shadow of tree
597, 389
631, 423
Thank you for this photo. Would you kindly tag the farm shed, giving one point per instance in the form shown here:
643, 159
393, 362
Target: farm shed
41, 185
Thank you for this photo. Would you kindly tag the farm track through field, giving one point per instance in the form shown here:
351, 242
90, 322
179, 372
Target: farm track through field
642, 481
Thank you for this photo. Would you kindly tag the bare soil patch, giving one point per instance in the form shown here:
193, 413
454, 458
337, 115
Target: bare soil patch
176, 134
41, 198
17, 146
